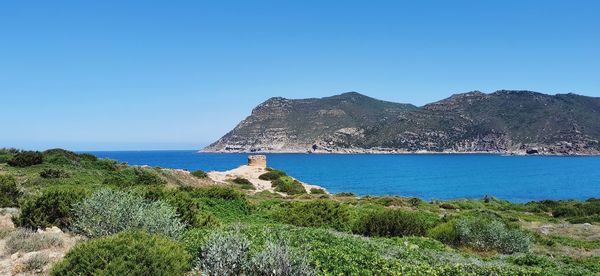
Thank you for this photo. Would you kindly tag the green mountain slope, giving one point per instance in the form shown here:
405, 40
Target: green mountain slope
503, 122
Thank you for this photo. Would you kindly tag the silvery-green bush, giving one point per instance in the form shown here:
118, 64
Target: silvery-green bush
278, 259
487, 234
224, 254
108, 212
230, 254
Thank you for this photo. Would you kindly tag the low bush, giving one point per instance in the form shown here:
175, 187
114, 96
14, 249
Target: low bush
23, 240
314, 213
26, 159
54, 173
145, 176
4, 232
445, 232
448, 206
414, 201
189, 209
288, 185
61, 157
106, 165
9, 192
224, 254
52, 207
272, 175
278, 258
200, 174
128, 253
394, 223
345, 194
35, 262
218, 191
230, 254
108, 212
485, 234
317, 191
243, 183
532, 260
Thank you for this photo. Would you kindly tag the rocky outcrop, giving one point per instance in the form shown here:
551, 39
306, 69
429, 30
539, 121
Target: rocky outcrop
515, 122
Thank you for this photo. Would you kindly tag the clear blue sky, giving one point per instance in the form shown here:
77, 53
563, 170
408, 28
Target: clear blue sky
179, 74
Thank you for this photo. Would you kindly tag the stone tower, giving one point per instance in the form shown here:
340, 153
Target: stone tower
257, 161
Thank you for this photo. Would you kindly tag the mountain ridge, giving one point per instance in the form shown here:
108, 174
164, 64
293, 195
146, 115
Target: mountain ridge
505, 121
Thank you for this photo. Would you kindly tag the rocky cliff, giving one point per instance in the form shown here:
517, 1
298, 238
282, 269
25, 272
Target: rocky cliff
517, 122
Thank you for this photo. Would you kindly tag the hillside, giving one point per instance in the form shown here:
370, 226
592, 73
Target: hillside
63, 213
281, 124
516, 122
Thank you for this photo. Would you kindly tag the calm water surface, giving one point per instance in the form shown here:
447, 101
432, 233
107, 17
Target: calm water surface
515, 178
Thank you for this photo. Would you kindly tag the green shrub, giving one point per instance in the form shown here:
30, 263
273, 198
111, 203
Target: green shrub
51, 208
414, 201
108, 212
317, 191
533, 260
22, 240
448, 206
128, 253
106, 165
88, 157
241, 181
288, 185
4, 158
314, 213
200, 174
9, 192
394, 223
345, 194
145, 176
61, 157
53, 173
244, 183
485, 234
26, 159
445, 232
272, 175
218, 191
189, 209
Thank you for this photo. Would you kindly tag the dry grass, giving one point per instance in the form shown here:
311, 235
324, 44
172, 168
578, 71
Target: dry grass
35, 262
23, 240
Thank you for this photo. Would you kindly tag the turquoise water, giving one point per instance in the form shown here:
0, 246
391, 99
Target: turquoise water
514, 178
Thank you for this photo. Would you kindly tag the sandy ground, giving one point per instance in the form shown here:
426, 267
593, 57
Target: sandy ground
251, 173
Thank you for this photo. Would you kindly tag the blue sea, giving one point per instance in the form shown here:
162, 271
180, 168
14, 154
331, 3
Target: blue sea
428, 176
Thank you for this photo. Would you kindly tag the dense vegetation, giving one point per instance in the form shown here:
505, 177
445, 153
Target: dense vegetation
139, 222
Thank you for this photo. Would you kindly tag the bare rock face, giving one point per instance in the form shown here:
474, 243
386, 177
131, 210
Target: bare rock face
257, 161
500, 122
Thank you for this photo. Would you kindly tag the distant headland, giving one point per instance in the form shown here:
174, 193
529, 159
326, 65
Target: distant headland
503, 122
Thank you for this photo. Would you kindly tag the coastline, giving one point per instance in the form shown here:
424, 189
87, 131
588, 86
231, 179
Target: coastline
400, 152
